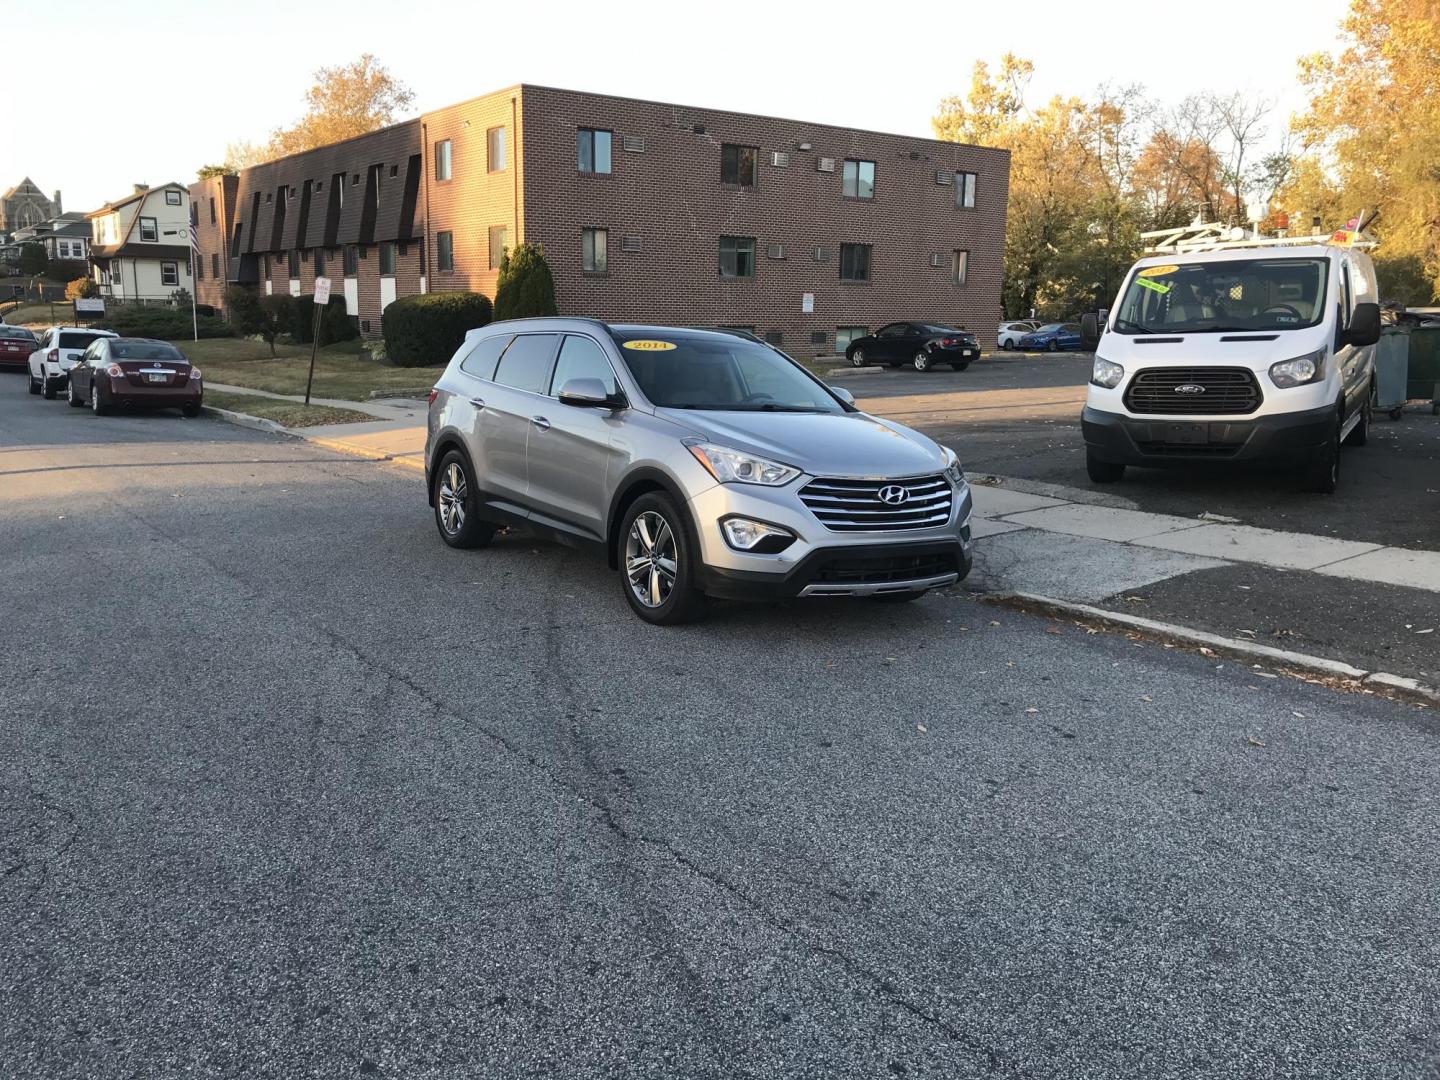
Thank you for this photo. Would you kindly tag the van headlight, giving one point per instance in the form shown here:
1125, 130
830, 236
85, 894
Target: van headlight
1299, 371
733, 467
1106, 374
953, 472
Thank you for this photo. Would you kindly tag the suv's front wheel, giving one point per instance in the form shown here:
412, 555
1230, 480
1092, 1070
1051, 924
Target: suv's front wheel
657, 562
457, 505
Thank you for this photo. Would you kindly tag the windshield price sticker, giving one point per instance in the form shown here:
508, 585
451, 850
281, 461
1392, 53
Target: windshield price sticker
649, 346
1156, 271
1153, 286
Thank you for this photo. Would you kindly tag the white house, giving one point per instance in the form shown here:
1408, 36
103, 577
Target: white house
140, 245
65, 238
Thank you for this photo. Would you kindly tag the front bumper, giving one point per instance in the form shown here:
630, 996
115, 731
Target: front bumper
1125, 440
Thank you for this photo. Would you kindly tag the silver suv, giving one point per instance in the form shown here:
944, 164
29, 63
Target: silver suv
702, 463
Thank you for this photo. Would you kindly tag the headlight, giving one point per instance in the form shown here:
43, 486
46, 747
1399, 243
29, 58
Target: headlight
743, 534
952, 467
1106, 374
1303, 369
733, 467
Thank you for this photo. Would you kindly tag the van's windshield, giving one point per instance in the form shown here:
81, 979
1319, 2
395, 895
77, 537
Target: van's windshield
1211, 297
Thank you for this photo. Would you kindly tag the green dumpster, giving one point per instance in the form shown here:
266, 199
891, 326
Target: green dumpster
1423, 380
1392, 354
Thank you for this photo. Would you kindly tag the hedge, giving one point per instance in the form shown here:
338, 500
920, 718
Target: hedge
525, 287
335, 324
427, 329
165, 323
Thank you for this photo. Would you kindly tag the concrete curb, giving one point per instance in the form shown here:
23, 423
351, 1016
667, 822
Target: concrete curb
868, 369
256, 423
1398, 685
245, 420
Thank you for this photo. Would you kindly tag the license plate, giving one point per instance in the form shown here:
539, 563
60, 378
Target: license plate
158, 378
1187, 433
968, 353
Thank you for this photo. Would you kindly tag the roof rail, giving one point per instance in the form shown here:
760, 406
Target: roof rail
1213, 236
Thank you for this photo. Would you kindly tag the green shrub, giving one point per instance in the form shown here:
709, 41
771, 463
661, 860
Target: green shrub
251, 314
33, 260
65, 269
427, 329
525, 288
335, 324
165, 323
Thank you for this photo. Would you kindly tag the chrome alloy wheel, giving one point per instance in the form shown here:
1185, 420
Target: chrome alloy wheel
452, 495
650, 559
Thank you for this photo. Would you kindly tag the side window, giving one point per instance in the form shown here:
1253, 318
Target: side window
481, 361
893, 330
582, 358
526, 363
1347, 296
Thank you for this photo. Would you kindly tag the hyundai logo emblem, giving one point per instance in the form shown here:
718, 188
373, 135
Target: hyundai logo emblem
1189, 388
894, 494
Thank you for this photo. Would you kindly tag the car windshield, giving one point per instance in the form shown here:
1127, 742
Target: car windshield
680, 370
145, 350
931, 328
1206, 297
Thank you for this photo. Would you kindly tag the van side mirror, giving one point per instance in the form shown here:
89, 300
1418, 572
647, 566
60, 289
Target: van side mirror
1364, 328
1089, 331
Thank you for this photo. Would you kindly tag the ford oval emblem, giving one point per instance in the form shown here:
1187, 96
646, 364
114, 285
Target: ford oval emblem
1189, 388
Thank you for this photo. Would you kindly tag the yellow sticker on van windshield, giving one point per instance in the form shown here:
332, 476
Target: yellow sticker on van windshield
1156, 271
1153, 286
650, 346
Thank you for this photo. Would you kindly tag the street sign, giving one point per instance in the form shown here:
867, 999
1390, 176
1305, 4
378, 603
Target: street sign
322, 290
94, 305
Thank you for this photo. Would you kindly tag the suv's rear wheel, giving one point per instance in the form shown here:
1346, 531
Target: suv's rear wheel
457, 505
857, 358
657, 562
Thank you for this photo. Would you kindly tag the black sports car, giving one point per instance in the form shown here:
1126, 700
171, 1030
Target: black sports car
921, 345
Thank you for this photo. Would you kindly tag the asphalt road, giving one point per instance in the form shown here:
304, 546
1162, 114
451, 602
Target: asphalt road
1019, 415
287, 788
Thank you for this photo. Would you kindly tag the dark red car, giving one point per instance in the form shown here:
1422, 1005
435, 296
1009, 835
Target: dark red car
16, 345
135, 373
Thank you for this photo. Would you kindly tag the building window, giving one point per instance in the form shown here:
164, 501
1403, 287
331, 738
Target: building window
169, 273
495, 150
376, 172
194, 213
593, 243
592, 150
212, 211
149, 231
737, 165
172, 198
197, 268
319, 262
845, 336
266, 261
444, 254
499, 241
351, 261
858, 179
854, 262
960, 267
965, 190
442, 160
294, 261
737, 256
215, 266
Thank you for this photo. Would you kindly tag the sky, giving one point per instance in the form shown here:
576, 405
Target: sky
162, 86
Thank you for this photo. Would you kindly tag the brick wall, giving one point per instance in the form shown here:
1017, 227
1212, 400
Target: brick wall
671, 196
219, 192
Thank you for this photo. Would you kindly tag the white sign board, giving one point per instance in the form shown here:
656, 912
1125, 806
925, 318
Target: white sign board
322, 290
807, 303
94, 304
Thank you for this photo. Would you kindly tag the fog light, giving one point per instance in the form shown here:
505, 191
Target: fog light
756, 537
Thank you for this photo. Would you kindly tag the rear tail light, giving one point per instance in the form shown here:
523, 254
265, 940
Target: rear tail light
195, 373
53, 356
115, 371
950, 341
434, 393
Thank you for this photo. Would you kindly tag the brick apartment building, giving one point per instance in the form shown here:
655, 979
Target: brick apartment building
803, 232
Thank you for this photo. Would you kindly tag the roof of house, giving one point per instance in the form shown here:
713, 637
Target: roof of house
113, 206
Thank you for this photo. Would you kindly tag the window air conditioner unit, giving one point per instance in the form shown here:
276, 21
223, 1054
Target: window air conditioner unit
825, 164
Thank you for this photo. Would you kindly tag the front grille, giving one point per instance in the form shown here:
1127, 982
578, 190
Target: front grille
1227, 392
882, 570
856, 506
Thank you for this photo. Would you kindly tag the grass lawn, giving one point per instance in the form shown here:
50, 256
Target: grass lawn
61, 313
290, 413
341, 371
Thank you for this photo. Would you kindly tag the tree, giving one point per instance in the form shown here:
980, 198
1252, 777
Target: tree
206, 172
81, 288
251, 314
346, 100
526, 287
33, 260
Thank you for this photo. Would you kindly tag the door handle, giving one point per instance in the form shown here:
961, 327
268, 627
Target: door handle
540, 422
479, 403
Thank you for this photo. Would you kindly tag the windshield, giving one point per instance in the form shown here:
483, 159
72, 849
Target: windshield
681, 370
1205, 297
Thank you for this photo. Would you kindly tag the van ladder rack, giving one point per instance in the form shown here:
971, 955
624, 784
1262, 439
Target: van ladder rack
1216, 237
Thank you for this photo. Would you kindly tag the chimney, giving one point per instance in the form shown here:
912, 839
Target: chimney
58, 208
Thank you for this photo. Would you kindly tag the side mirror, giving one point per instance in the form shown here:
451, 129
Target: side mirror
586, 394
1364, 326
843, 394
1090, 332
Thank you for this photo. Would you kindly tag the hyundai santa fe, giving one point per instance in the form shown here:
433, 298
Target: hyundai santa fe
703, 464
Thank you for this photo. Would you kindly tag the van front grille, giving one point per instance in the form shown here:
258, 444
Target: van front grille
844, 505
1193, 391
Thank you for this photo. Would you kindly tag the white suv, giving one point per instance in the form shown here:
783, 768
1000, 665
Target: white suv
60, 347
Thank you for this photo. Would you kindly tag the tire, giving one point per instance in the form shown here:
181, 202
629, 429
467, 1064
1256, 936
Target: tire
921, 361
1054, 345
1360, 434
34, 386
856, 357
961, 366
457, 504
1103, 472
190, 410
98, 407
657, 596
74, 401
1323, 477
47, 388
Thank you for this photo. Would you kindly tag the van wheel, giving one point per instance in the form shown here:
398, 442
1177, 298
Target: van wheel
1360, 434
1323, 477
657, 562
457, 505
1103, 472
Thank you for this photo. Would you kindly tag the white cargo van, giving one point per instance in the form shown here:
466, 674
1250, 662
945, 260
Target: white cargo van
1221, 349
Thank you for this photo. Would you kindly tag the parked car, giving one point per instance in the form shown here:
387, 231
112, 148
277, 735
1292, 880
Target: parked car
1010, 333
16, 345
703, 464
1235, 356
117, 372
1053, 337
58, 350
921, 345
